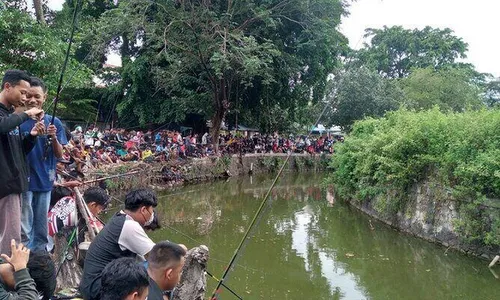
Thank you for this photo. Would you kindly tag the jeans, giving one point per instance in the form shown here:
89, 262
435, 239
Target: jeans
34, 221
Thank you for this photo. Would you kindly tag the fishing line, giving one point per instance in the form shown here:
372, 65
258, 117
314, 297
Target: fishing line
224, 285
257, 217
70, 78
211, 258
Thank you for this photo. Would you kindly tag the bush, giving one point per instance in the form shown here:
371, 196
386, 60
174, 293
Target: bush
387, 156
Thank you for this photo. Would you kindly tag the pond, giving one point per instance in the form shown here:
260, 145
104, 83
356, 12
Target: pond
308, 245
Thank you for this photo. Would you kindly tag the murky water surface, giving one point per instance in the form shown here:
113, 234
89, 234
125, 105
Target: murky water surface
310, 246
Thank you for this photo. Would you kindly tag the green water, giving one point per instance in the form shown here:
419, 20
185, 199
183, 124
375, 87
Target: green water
309, 246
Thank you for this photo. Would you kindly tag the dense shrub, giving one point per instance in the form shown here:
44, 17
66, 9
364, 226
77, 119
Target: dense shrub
460, 151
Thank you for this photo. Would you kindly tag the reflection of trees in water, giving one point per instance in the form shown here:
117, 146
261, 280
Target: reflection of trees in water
203, 205
385, 265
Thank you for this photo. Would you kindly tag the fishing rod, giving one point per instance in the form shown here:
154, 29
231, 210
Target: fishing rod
110, 177
66, 59
224, 285
71, 77
257, 215
61, 77
98, 179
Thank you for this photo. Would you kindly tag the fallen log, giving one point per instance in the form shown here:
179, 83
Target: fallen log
193, 283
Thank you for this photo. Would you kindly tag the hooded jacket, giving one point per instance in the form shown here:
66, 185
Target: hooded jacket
13, 150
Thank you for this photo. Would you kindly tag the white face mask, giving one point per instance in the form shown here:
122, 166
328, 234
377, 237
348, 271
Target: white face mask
151, 219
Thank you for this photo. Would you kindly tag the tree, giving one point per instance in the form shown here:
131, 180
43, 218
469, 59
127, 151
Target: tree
394, 51
492, 94
209, 57
452, 89
362, 93
37, 4
28, 45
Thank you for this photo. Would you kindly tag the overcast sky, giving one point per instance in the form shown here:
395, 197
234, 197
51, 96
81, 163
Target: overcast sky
474, 21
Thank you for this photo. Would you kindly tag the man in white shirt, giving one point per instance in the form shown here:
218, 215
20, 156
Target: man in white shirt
123, 236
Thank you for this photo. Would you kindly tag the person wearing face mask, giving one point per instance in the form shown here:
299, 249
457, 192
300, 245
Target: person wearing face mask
123, 236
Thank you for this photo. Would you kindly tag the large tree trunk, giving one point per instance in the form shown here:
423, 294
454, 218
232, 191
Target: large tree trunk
193, 284
37, 4
221, 103
217, 119
71, 273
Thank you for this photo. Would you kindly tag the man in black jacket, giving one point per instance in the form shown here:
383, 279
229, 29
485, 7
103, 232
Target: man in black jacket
13, 150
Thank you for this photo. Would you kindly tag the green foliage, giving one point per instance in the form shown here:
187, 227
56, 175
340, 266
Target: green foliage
384, 158
451, 89
492, 93
271, 163
361, 93
39, 49
221, 57
394, 51
27, 45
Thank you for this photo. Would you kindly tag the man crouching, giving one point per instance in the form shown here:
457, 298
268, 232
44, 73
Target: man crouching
123, 236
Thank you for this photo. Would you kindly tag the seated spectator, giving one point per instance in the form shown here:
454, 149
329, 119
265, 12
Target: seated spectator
15, 281
63, 213
123, 236
124, 279
165, 263
147, 153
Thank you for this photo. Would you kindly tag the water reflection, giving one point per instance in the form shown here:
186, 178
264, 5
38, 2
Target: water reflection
341, 282
308, 245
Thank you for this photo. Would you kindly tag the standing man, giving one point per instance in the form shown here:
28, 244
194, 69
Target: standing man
13, 151
42, 171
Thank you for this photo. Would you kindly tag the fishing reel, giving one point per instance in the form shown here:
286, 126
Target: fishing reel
47, 146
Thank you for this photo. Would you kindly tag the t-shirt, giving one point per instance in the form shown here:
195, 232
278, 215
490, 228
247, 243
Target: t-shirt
42, 164
146, 154
121, 237
155, 293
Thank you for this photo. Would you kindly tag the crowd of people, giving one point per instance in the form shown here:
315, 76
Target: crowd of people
38, 206
93, 147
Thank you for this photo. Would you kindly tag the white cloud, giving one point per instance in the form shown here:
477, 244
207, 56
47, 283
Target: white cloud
474, 21
55, 4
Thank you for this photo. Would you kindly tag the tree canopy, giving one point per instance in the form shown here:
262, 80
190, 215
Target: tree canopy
362, 93
394, 51
264, 64
450, 89
218, 57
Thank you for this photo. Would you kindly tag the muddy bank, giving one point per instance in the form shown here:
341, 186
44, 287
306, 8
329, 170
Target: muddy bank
195, 170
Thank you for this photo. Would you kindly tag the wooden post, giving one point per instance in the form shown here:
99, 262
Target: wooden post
193, 282
85, 213
494, 261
